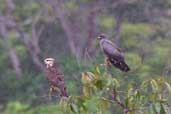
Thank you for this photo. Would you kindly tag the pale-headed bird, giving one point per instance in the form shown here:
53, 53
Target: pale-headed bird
55, 77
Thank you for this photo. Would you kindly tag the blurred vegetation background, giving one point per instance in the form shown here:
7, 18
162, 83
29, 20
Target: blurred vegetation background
31, 30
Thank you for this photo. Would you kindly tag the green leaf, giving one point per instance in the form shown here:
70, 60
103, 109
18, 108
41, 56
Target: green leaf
99, 84
144, 84
130, 113
162, 100
74, 108
152, 96
130, 92
137, 95
103, 104
96, 70
152, 109
162, 111
87, 77
158, 107
109, 81
91, 104
86, 90
154, 85
126, 102
168, 87
63, 104
116, 82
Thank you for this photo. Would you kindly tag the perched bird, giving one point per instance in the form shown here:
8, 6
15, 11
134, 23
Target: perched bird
55, 77
113, 53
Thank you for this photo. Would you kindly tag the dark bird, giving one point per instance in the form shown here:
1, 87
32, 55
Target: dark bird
55, 77
113, 53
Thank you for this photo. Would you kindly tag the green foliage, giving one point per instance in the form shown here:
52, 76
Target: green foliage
148, 97
106, 22
147, 52
13, 89
134, 60
97, 85
70, 6
132, 34
26, 9
16, 108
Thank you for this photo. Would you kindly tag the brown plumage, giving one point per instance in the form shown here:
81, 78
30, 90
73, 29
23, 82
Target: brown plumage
55, 77
113, 53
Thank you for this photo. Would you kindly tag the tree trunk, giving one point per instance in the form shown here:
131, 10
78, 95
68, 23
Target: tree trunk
88, 50
15, 61
32, 49
118, 29
65, 24
12, 54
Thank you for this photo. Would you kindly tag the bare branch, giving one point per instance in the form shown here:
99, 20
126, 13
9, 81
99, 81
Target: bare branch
12, 54
65, 24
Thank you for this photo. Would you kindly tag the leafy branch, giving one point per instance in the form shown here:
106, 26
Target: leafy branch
99, 87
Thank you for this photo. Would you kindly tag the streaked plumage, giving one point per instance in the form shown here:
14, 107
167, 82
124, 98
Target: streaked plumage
55, 77
113, 53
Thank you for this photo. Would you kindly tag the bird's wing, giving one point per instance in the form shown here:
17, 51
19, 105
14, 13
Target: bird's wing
112, 51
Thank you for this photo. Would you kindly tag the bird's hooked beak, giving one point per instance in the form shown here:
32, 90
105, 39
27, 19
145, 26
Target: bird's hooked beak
102, 36
99, 38
49, 62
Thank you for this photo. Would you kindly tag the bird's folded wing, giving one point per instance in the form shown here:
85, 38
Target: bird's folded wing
112, 51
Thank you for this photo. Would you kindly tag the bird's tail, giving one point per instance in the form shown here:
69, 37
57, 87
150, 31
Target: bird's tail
120, 65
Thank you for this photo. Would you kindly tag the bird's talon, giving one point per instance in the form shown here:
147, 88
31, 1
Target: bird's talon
56, 88
50, 93
107, 63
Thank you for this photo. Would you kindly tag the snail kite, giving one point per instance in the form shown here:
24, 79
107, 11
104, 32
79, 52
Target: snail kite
113, 53
55, 77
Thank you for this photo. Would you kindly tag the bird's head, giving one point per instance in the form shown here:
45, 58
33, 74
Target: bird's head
102, 36
49, 62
